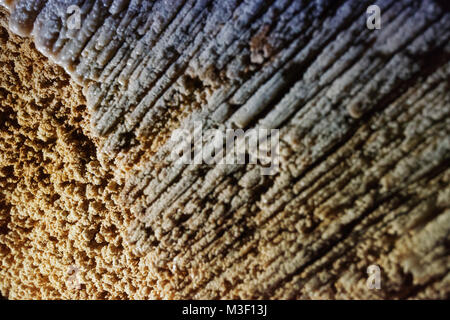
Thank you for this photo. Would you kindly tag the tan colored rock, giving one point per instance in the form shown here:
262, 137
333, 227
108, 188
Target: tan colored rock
88, 186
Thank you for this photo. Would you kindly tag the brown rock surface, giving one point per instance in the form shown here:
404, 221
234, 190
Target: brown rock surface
364, 123
59, 226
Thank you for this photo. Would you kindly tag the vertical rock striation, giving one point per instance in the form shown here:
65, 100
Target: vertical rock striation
363, 117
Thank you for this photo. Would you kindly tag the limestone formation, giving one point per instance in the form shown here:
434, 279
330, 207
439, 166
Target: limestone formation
92, 205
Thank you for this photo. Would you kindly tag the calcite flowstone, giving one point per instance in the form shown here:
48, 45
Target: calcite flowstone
88, 184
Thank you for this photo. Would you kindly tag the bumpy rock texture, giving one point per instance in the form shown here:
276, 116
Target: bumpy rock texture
57, 215
364, 120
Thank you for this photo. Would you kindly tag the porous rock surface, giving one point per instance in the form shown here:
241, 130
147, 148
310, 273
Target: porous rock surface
57, 210
364, 120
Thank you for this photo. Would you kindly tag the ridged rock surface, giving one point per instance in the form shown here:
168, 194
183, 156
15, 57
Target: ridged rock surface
88, 184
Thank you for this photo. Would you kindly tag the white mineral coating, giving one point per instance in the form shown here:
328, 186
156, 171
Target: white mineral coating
23, 15
309, 68
8, 4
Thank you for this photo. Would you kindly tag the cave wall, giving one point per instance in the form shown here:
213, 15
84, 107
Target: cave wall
363, 120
